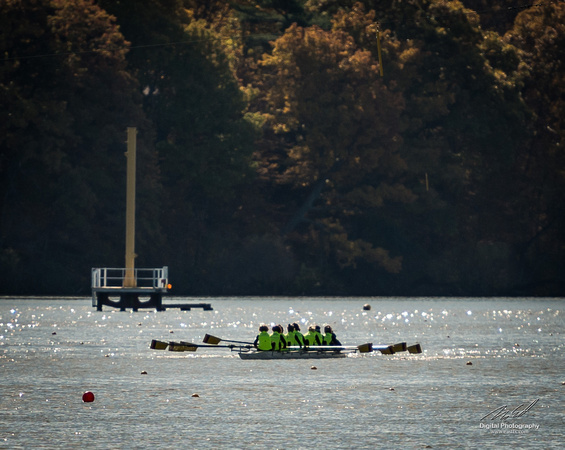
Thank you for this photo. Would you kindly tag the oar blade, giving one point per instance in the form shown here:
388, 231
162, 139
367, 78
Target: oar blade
400, 347
365, 348
209, 339
182, 347
158, 345
416, 348
387, 350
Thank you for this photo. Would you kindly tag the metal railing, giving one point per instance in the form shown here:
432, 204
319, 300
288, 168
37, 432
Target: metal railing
109, 277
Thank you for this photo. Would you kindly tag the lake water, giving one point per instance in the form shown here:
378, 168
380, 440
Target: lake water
480, 355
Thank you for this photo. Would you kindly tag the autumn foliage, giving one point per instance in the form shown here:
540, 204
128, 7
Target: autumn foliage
285, 147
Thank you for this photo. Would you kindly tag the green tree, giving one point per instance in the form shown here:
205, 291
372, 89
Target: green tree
334, 125
539, 33
186, 67
462, 128
66, 101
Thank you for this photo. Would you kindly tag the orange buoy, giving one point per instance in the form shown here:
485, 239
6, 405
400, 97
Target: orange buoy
88, 397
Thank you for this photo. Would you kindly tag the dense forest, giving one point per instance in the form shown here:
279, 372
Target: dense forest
286, 147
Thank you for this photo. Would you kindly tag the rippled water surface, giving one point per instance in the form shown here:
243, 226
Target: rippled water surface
482, 357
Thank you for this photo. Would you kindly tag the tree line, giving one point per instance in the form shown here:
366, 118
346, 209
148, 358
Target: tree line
285, 147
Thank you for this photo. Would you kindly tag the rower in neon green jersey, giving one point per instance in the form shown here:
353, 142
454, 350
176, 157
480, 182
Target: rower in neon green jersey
312, 337
263, 340
319, 334
298, 336
330, 338
290, 336
279, 343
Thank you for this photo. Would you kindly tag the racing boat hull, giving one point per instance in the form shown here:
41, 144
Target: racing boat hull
292, 354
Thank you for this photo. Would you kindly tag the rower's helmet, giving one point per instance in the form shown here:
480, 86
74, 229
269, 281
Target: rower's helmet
296, 327
277, 329
328, 329
318, 328
263, 328
311, 328
290, 327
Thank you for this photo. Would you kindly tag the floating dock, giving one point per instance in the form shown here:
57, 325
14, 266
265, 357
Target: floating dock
114, 287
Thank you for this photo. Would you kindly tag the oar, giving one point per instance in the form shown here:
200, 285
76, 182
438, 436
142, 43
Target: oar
363, 348
416, 348
400, 347
182, 347
188, 346
208, 339
384, 349
158, 345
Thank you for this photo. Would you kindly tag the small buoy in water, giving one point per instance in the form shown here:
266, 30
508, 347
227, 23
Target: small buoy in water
143, 372
195, 395
88, 397
366, 307
469, 363
314, 368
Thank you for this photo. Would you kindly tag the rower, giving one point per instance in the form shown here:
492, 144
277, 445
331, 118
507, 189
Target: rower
312, 337
277, 339
319, 334
330, 338
263, 340
298, 336
289, 336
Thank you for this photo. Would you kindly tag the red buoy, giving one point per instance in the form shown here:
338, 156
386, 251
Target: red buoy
88, 397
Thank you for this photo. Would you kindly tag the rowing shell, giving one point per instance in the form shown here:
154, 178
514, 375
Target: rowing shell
246, 350
292, 354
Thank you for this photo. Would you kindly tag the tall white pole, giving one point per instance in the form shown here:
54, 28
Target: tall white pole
129, 279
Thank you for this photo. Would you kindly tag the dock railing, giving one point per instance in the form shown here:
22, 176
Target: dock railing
110, 278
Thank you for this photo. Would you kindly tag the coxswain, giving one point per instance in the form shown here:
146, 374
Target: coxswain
330, 337
312, 337
298, 336
263, 340
277, 339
